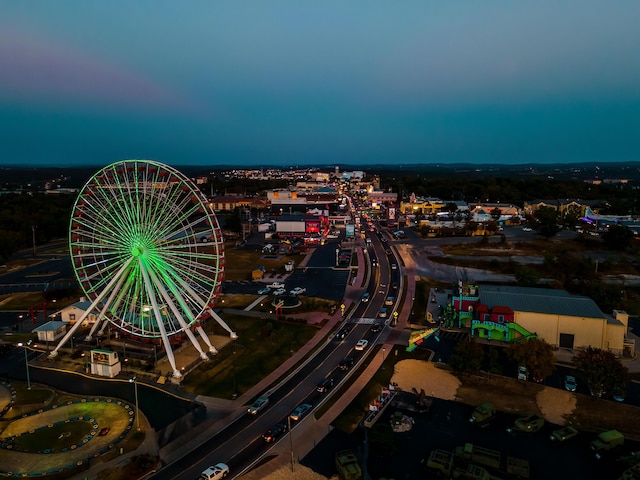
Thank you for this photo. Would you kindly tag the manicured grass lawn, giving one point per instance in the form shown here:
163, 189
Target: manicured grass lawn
62, 435
35, 396
244, 362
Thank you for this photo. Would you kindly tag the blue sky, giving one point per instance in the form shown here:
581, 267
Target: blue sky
295, 83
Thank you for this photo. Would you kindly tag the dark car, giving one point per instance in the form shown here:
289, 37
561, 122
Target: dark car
344, 331
325, 385
345, 363
300, 411
376, 327
274, 432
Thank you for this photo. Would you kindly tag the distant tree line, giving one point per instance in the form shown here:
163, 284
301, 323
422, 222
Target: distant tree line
24, 216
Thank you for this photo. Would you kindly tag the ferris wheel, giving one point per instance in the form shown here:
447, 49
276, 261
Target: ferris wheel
148, 253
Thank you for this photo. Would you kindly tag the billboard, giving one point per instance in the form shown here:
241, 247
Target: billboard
350, 230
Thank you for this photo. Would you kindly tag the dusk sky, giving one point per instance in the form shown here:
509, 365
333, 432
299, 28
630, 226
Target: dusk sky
294, 83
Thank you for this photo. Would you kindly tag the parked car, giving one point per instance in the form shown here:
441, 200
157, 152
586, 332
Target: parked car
563, 434
215, 472
345, 363
280, 291
264, 291
362, 344
325, 385
570, 383
298, 291
618, 393
529, 424
300, 411
274, 432
527, 229
259, 405
523, 374
276, 285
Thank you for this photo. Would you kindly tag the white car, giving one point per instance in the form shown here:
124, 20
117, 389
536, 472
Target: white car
215, 472
297, 291
259, 405
275, 285
280, 291
264, 291
362, 344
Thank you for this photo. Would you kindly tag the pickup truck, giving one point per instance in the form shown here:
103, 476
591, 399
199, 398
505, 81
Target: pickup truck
483, 414
607, 441
563, 434
275, 285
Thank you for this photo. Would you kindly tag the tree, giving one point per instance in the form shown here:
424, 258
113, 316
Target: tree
535, 354
467, 357
617, 237
526, 276
601, 370
545, 222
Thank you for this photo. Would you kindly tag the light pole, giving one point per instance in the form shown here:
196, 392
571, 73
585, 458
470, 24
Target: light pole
383, 350
134, 380
290, 440
337, 253
26, 361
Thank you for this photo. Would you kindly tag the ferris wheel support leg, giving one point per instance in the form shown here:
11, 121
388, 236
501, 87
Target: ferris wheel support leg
206, 340
159, 321
65, 339
222, 323
178, 315
101, 316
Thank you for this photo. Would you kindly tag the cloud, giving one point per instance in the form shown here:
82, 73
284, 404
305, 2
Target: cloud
44, 71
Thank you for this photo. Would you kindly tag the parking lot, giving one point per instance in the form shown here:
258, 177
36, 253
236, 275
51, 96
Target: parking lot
446, 426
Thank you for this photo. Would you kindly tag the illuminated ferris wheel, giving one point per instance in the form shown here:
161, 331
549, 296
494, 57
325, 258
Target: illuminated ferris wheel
148, 253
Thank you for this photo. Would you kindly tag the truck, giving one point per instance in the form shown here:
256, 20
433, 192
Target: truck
474, 462
347, 465
483, 414
606, 441
479, 455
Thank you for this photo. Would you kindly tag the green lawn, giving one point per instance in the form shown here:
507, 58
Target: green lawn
54, 439
244, 362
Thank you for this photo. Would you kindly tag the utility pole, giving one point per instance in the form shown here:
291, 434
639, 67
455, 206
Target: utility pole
33, 235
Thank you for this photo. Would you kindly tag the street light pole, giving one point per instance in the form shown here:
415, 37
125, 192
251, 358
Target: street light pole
290, 440
134, 380
383, 350
26, 361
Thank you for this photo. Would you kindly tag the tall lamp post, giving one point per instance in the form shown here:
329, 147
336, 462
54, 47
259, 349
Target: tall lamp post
134, 380
26, 361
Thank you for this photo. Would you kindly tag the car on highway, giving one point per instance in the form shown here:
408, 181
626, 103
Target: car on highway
362, 344
264, 291
344, 331
570, 383
345, 364
280, 291
297, 291
394, 266
259, 405
394, 285
382, 313
365, 297
325, 385
215, 472
388, 251
300, 411
376, 327
274, 432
